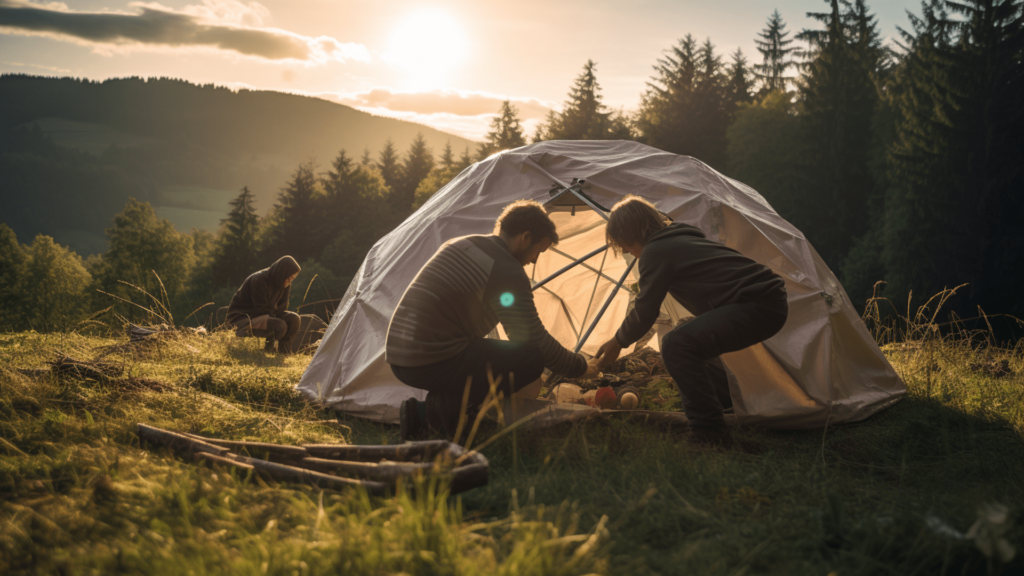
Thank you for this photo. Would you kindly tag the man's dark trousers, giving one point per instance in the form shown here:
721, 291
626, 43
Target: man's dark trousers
691, 350
517, 364
281, 328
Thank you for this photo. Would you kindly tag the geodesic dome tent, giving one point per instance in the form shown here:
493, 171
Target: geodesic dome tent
823, 366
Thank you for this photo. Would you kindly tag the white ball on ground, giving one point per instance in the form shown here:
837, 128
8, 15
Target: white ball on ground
629, 401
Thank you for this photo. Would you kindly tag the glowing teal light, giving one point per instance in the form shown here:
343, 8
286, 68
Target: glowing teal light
507, 299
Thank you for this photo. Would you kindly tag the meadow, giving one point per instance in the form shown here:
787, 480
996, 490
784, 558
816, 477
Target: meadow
930, 486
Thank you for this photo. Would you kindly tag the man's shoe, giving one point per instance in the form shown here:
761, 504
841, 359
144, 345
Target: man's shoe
410, 425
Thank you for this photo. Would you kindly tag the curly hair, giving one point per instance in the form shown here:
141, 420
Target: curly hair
632, 221
526, 216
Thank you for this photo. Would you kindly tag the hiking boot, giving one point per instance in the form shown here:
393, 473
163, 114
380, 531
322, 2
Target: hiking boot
711, 437
410, 424
284, 347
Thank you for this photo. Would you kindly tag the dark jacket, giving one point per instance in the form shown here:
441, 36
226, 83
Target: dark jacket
700, 274
264, 292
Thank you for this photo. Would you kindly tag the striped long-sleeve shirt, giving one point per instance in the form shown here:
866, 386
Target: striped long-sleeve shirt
466, 288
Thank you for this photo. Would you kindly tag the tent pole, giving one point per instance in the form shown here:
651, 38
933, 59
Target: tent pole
605, 307
575, 189
569, 266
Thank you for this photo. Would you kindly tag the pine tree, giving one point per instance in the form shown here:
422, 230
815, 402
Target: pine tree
366, 160
465, 160
357, 210
235, 256
685, 108
388, 165
583, 117
448, 161
506, 131
296, 222
418, 163
839, 101
775, 51
739, 87
955, 206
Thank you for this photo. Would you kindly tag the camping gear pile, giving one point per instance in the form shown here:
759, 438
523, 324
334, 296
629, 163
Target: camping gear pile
636, 379
822, 367
377, 469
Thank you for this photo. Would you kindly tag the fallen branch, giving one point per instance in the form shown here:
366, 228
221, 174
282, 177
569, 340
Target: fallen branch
376, 468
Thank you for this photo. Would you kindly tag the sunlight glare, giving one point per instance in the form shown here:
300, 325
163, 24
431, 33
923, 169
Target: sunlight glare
425, 45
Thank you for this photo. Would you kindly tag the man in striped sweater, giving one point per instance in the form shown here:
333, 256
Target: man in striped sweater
437, 337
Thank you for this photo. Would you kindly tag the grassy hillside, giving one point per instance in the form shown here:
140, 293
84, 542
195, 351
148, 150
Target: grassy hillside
152, 139
891, 495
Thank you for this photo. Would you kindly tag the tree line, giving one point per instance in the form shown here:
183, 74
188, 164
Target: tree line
898, 163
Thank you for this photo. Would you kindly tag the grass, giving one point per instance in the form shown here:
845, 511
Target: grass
891, 495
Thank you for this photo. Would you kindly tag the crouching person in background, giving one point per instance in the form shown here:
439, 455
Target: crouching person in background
437, 337
737, 303
260, 307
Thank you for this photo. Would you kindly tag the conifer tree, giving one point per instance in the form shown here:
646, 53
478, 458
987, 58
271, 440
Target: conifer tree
739, 87
357, 212
685, 109
954, 209
839, 101
388, 165
775, 52
235, 256
583, 117
418, 162
448, 161
465, 160
506, 131
296, 221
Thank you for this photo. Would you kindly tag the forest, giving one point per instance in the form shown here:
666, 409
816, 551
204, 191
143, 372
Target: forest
900, 161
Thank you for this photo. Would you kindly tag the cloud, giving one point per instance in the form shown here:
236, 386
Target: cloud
39, 66
452, 102
225, 25
466, 113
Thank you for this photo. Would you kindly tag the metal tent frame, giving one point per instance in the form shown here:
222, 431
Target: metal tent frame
572, 197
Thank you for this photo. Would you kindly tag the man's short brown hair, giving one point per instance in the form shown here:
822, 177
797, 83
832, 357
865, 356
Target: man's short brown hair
633, 220
526, 216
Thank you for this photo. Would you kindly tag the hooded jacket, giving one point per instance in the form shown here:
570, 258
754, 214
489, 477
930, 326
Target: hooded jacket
264, 292
700, 274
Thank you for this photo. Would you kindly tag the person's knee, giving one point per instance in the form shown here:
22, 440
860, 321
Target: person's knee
681, 341
277, 328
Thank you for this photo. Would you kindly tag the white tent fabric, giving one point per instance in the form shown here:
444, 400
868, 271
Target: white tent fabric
823, 367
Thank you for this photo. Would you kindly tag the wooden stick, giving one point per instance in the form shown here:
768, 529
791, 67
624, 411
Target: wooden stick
285, 473
296, 452
176, 441
406, 452
383, 472
214, 459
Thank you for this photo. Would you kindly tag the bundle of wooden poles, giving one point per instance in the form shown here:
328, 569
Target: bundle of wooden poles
378, 469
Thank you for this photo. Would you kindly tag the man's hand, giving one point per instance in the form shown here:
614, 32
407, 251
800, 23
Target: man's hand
608, 352
593, 369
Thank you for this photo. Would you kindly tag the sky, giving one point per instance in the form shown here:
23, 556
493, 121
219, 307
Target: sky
446, 63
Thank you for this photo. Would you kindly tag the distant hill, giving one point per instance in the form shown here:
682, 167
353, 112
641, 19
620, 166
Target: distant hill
72, 151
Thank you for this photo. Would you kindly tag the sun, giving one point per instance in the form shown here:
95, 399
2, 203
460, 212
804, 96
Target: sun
425, 45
